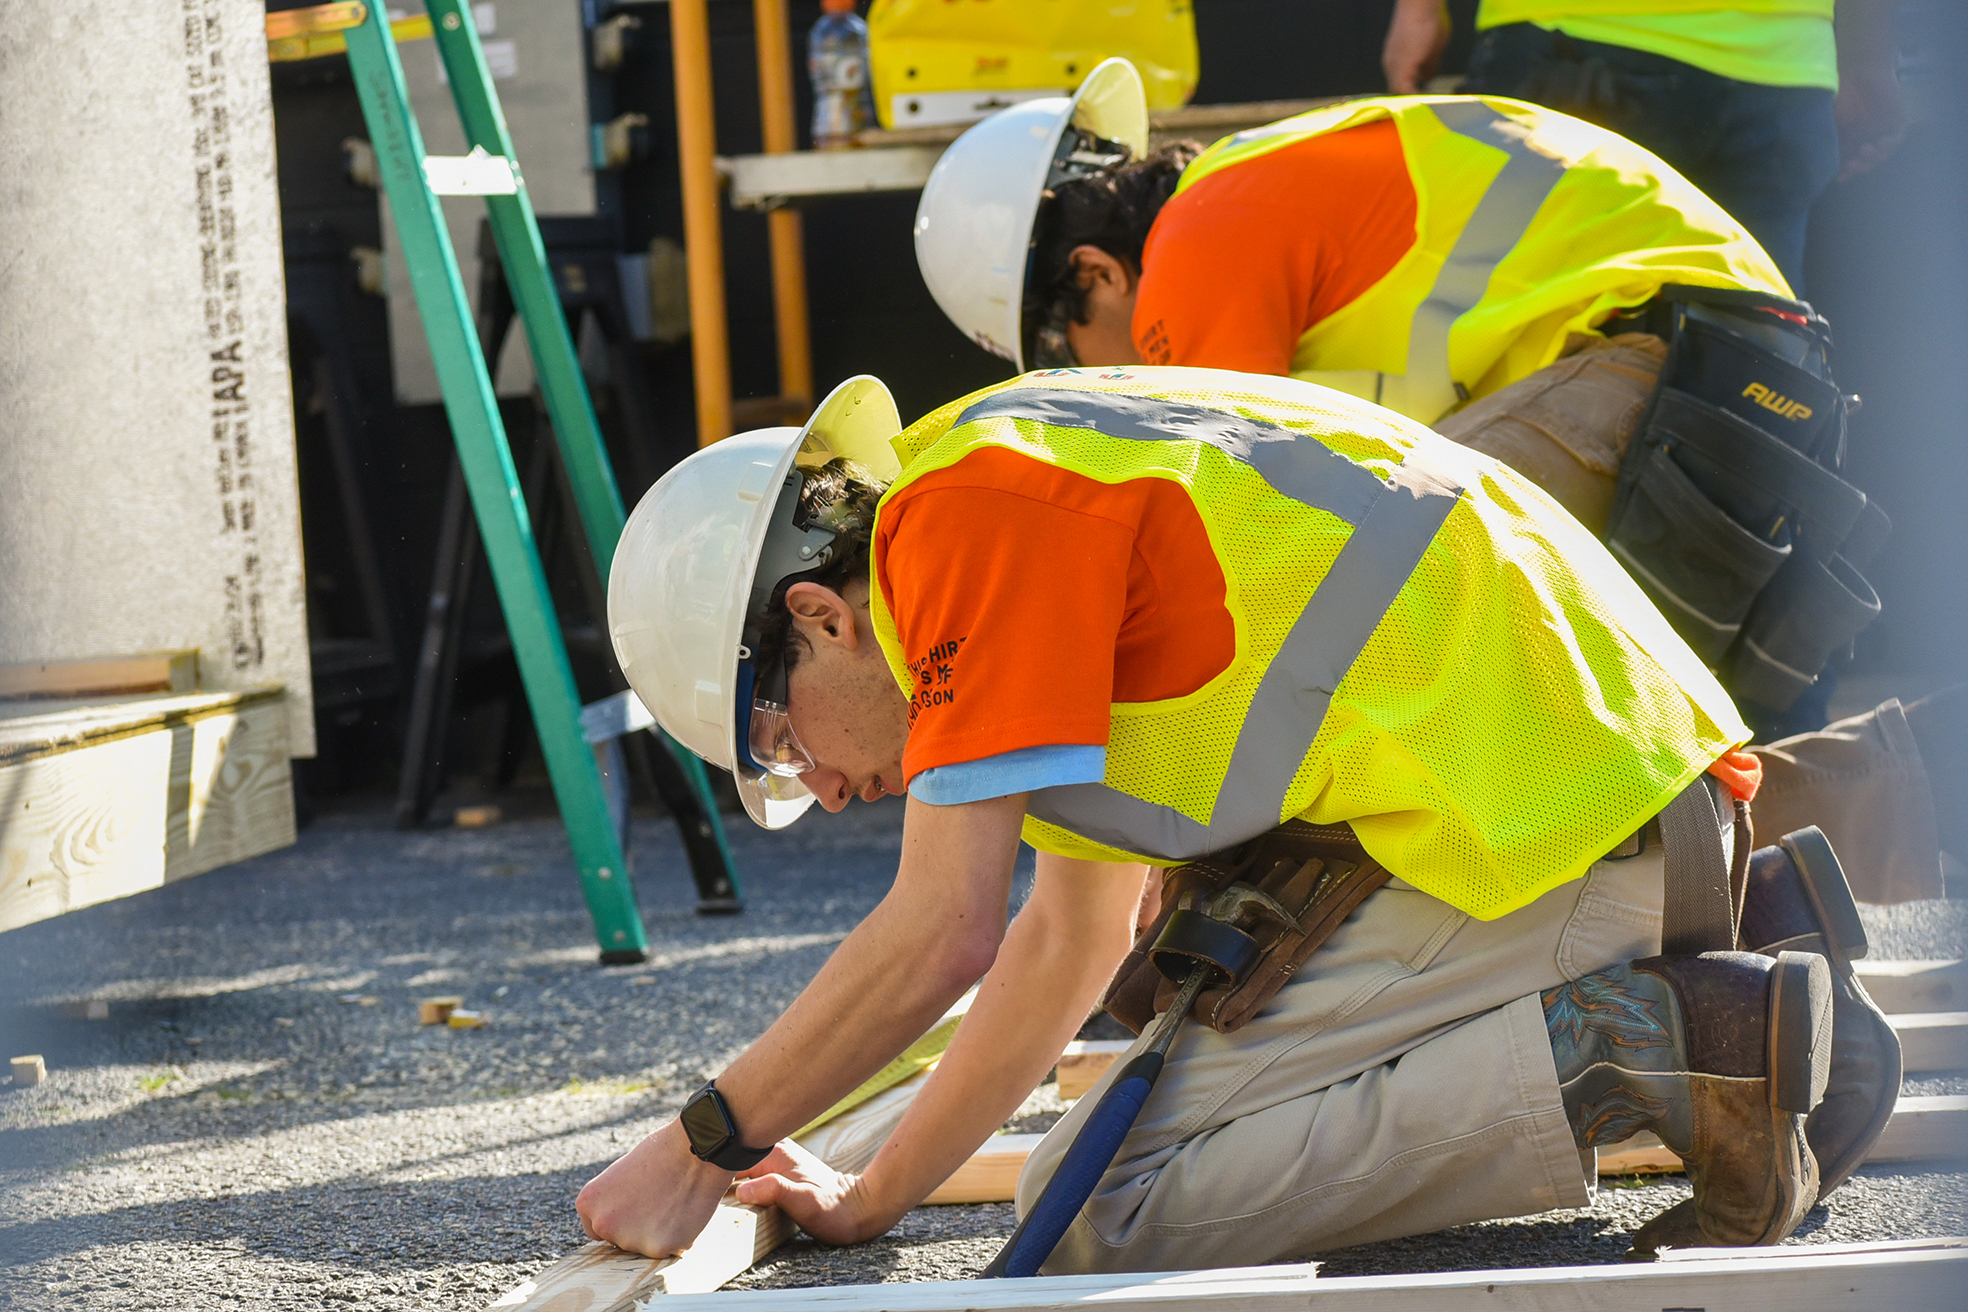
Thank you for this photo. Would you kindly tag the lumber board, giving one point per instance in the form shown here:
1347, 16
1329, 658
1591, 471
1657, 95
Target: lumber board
1795, 1278
1922, 1129
1085, 1061
1934, 1040
159, 671
600, 1277
103, 801
603, 1278
1924, 986
991, 1173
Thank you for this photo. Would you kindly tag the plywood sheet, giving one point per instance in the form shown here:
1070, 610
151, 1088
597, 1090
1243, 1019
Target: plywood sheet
147, 488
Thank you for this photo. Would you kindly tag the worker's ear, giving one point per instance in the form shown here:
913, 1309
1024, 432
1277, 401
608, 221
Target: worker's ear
823, 616
1095, 269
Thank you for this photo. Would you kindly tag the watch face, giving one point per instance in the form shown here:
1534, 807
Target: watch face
705, 1122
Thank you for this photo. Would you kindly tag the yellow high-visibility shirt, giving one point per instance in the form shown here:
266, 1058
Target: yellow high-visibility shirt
1779, 43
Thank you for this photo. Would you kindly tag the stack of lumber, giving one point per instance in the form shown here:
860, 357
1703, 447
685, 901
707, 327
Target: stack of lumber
119, 775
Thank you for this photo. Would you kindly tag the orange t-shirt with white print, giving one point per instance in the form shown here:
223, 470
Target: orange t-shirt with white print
1029, 599
1241, 263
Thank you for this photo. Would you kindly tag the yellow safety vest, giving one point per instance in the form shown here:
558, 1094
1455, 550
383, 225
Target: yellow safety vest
1495, 12
1427, 647
1530, 225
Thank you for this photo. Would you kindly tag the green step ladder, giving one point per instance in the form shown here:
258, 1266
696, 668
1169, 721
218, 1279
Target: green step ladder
584, 761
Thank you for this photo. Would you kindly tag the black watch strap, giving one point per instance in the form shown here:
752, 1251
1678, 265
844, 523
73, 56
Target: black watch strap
714, 1132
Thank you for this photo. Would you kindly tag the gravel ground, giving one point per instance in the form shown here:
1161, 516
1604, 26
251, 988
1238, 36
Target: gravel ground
261, 1121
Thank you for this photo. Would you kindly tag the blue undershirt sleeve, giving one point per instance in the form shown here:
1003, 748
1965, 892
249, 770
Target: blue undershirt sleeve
1022, 771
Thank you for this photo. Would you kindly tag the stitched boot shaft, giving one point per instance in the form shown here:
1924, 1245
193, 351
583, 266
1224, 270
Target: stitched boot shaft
1721, 1055
1616, 1038
1798, 901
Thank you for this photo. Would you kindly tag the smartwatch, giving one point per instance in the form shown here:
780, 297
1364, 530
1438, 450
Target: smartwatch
714, 1134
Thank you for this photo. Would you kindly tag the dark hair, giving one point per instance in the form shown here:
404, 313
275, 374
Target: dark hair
1111, 209
840, 495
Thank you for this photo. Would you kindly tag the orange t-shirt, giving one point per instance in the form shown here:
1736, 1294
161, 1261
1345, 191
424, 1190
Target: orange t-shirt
1029, 599
1241, 263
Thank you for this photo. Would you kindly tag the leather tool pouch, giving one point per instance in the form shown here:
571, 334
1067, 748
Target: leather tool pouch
1316, 873
1730, 513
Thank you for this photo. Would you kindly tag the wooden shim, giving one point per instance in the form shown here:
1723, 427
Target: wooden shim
1085, 1061
112, 800
991, 1174
1922, 1129
162, 671
1905, 1278
1933, 1041
1900, 986
603, 1278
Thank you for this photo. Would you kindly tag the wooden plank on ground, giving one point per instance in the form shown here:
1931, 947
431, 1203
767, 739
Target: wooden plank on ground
1085, 1061
1925, 986
1922, 1129
120, 676
1934, 1040
102, 800
603, 1278
991, 1174
1920, 1277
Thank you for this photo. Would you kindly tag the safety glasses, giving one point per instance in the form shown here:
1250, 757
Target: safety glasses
775, 748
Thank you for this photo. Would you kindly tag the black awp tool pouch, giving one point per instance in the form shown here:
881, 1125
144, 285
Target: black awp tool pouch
1730, 512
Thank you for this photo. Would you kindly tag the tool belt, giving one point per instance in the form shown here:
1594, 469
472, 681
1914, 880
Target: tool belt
1254, 913
1730, 512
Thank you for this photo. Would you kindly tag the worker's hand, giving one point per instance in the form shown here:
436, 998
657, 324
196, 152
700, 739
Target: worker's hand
656, 1198
1872, 120
1416, 37
830, 1206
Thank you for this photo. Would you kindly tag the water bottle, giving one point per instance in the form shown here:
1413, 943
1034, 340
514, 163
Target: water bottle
837, 61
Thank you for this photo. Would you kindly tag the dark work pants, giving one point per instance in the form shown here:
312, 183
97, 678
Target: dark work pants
1763, 153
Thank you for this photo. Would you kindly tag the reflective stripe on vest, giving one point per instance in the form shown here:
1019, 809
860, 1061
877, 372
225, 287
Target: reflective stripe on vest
1428, 390
1393, 523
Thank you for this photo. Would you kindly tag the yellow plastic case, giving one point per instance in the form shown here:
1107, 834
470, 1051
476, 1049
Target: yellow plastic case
957, 61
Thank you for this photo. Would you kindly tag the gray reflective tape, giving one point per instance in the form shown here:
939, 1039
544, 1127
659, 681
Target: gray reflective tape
1428, 390
1392, 528
1303, 469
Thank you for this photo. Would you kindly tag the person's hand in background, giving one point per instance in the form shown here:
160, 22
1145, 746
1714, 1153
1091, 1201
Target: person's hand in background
1416, 37
1871, 109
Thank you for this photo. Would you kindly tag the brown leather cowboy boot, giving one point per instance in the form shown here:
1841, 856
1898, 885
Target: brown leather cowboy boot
1798, 901
1721, 1055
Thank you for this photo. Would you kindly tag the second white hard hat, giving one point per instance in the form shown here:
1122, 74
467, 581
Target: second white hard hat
974, 222
687, 569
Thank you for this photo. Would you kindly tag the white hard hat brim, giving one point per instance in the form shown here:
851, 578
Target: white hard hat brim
682, 578
974, 223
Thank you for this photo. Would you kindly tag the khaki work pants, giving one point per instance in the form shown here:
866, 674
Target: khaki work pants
1402, 1082
1861, 780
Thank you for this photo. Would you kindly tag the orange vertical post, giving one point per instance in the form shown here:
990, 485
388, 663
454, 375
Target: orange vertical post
703, 241
775, 64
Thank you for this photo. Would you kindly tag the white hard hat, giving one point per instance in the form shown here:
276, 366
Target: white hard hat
974, 222
688, 579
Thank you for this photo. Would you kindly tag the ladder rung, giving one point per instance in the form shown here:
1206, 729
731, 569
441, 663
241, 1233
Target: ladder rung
476, 174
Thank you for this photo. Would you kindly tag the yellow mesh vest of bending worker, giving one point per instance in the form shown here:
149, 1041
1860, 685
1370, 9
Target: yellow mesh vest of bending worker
1530, 225
1426, 645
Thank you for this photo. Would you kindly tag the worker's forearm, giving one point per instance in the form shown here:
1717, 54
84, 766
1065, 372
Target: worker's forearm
900, 969
1056, 959
1866, 45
